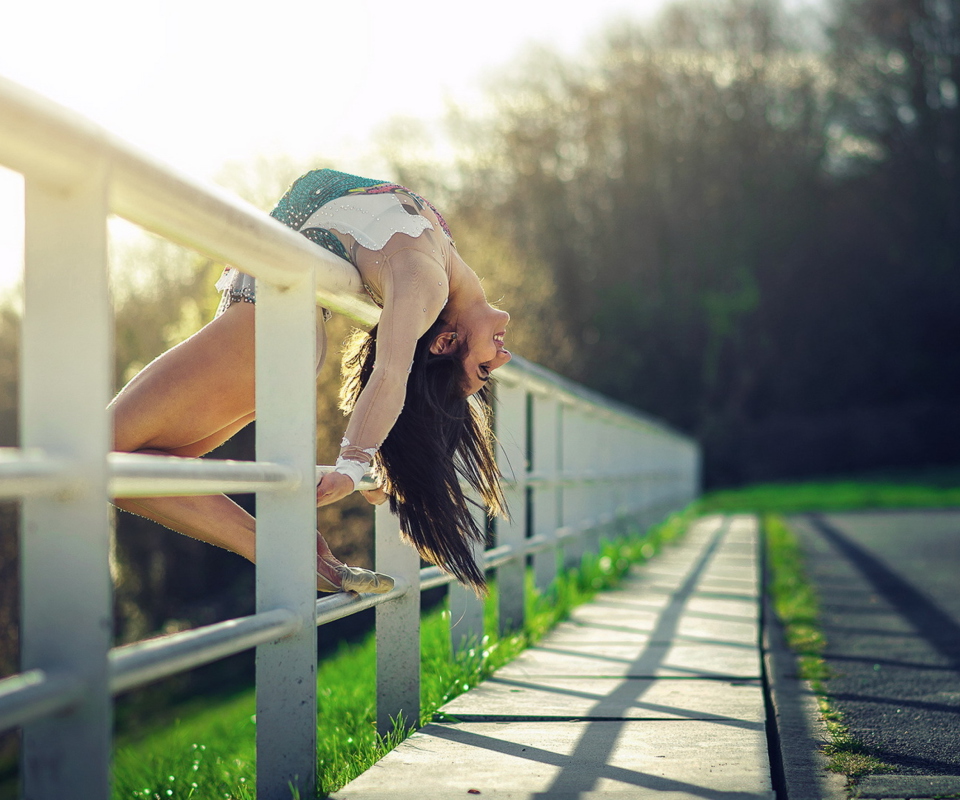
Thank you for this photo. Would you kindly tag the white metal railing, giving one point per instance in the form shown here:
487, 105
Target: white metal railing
576, 464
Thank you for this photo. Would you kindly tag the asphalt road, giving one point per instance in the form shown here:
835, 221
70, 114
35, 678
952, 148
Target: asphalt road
889, 586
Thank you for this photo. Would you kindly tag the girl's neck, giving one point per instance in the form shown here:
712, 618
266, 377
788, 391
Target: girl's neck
465, 288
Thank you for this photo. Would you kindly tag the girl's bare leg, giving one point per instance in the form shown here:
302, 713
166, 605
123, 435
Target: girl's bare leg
187, 402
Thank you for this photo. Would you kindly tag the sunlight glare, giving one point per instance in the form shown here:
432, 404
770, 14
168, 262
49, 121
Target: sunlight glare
197, 83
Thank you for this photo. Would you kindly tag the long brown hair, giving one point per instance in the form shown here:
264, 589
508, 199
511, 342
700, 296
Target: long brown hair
440, 438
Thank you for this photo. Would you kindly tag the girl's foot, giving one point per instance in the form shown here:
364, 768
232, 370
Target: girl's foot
335, 576
356, 579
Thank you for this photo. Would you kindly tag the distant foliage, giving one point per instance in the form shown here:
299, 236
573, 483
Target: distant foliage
747, 224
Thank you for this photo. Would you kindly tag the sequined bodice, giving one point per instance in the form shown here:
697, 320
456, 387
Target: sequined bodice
321, 186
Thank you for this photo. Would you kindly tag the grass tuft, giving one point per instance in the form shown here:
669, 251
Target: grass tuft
794, 598
848, 755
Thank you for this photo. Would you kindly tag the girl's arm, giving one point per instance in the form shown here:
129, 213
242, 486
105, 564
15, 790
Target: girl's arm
414, 294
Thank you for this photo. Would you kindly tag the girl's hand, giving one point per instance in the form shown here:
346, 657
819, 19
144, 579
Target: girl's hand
334, 486
375, 496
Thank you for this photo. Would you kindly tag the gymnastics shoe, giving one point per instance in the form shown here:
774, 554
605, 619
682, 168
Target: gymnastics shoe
356, 579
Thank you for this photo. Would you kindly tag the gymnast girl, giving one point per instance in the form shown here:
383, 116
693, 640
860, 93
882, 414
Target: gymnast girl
415, 386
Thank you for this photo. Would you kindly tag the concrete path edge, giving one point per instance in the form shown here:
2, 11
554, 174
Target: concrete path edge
798, 732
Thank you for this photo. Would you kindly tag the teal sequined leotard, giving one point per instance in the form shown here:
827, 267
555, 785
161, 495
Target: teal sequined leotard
307, 194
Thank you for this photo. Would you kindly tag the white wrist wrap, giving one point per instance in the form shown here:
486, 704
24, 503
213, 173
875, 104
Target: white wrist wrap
352, 469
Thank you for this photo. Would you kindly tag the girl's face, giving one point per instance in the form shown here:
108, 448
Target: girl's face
483, 328
484, 331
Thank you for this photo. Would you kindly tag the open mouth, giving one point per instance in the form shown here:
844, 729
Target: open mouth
503, 355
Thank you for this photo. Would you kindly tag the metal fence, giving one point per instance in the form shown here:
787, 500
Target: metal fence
576, 465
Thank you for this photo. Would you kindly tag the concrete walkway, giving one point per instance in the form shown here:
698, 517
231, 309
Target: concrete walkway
651, 690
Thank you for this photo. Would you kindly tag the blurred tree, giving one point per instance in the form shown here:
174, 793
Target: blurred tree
900, 68
750, 220
666, 183
518, 277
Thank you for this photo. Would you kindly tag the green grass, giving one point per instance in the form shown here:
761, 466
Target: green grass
798, 607
796, 498
209, 751
794, 599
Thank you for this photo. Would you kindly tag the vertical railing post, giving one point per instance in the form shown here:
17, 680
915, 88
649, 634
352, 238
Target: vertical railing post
286, 539
635, 500
466, 609
573, 467
511, 430
612, 464
546, 412
66, 377
639, 485
398, 628
595, 505
693, 466
562, 488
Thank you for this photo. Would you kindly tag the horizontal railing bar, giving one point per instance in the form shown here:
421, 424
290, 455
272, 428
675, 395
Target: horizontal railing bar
497, 556
366, 482
432, 577
57, 146
139, 475
32, 695
540, 380
29, 472
137, 664
346, 604
134, 665
533, 480
35, 694
537, 543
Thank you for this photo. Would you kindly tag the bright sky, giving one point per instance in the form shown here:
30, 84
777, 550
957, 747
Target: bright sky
200, 82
